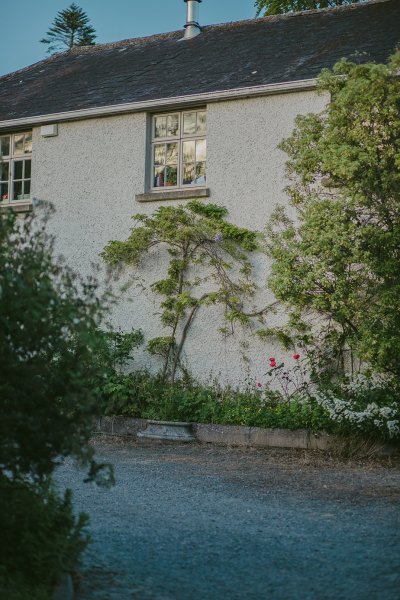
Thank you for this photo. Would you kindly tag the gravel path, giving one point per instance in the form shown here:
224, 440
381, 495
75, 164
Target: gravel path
206, 523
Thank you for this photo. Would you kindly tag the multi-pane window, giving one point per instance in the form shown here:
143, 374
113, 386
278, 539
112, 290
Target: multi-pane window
15, 167
179, 149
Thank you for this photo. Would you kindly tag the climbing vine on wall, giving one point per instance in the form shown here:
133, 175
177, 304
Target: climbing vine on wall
207, 263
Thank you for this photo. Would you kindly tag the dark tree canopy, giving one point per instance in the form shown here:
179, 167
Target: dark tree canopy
70, 28
48, 322
278, 7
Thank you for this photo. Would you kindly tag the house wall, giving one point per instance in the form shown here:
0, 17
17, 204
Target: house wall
92, 171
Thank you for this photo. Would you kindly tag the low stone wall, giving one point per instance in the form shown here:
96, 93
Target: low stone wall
263, 438
123, 426
228, 435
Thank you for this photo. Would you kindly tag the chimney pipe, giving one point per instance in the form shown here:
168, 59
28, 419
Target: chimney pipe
192, 27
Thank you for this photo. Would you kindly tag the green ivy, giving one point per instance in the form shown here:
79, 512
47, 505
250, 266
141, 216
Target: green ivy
201, 247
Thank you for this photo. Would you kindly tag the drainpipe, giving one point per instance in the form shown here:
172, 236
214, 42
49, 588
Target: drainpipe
192, 27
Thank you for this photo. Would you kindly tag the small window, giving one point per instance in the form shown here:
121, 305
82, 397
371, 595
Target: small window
15, 167
179, 152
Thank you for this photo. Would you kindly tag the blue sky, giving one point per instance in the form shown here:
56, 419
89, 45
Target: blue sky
25, 22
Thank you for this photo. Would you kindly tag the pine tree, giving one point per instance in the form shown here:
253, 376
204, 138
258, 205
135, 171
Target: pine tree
277, 7
70, 28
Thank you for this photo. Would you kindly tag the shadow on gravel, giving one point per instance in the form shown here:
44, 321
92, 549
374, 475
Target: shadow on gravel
187, 522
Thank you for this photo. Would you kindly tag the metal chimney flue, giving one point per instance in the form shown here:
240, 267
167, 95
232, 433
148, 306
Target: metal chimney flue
192, 27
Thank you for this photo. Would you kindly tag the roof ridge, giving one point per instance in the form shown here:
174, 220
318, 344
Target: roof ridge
77, 50
230, 24
290, 15
128, 41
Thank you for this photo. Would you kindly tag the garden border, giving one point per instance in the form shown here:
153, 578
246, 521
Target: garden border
238, 435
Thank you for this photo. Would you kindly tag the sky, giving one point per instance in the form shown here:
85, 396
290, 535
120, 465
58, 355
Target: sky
25, 22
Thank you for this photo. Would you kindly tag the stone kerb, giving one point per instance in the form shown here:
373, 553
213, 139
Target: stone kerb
227, 435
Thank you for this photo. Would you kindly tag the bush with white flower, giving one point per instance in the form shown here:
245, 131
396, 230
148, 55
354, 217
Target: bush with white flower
366, 403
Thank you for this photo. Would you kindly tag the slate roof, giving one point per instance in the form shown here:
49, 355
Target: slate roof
223, 57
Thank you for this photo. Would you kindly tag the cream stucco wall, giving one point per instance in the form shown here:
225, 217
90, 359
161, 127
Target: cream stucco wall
93, 169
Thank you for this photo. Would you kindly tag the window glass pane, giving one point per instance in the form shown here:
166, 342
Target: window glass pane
5, 145
27, 188
172, 125
172, 153
160, 127
18, 169
27, 172
201, 122
4, 166
17, 190
189, 123
201, 150
200, 173
172, 176
159, 176
18, 144
28, 143
159, 154
189, 151
188, 174
3, 191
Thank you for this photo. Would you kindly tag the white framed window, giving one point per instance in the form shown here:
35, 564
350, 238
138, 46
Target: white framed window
15, 167
179, 149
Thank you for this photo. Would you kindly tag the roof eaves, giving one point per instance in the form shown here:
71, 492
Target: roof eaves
164, 103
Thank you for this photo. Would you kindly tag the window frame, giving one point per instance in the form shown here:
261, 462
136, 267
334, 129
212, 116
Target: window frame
12, 159
180, 138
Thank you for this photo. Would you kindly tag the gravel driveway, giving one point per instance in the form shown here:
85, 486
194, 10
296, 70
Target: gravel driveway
199, 522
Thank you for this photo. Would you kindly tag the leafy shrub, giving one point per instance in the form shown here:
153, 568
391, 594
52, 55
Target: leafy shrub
152, 398
336, 266
353, 408
365, 403
49, 321
111, 384
41, 538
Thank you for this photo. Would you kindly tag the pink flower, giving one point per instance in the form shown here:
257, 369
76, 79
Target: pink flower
296, 356
272, 359
259, 385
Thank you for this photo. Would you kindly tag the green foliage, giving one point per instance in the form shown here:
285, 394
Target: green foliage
277, 7
152, 398
365, 403
41, 539
336, 267
202, 248
48, 322
362, 406
112, 383
70, 28
49, 319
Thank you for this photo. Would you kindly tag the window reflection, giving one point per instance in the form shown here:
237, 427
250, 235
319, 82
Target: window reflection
188, 174
160, 127
5, 145
177, 160
18, 145
189, 123
15, 167
172, 125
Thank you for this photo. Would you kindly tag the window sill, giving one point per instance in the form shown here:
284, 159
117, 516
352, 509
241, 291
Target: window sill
182, 194
22, 207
